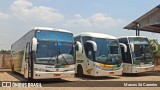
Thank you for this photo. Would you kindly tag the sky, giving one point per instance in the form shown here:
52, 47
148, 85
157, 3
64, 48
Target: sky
17, 17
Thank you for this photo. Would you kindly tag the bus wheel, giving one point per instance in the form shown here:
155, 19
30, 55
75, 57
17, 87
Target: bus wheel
12, 68
30, 79
79, 71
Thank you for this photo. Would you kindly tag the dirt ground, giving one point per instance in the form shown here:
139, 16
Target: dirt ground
157, 67
147, 76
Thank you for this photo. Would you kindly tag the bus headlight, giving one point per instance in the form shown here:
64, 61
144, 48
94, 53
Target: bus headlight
97, 66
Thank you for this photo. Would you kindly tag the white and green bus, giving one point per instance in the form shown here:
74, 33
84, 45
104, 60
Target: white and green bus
139, 56
98, 55
44, 53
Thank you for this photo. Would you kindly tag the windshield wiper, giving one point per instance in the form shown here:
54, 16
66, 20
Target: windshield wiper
56, 58
51, 59
62, 56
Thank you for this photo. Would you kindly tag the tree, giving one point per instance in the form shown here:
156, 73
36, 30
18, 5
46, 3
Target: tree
154, 44
5, 51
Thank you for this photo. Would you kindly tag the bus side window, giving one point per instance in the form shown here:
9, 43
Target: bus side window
89, 50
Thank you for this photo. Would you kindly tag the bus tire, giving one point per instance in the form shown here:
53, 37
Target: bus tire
12, 68
30, 79
80, 71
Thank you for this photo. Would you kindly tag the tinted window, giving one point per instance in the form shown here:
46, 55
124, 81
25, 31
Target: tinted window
49, 52
54, 35
138, 40
77, 39
89, 51
123, 40
86, 38
125, 56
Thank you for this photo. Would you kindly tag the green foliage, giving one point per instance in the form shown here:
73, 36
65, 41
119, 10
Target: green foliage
153, 44
5, 51
157, 53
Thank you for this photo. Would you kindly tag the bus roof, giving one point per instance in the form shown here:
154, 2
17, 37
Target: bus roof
132, 36
98, 35
51, 29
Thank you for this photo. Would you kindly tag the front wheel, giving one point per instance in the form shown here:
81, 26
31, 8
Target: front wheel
80, 71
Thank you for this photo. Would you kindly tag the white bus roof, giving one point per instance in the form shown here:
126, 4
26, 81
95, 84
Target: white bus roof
98, 35
132, 36
51, 29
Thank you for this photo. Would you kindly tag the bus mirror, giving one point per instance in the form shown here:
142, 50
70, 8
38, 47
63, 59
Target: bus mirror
78, 47
34, 44
123, 45
94, 45
132, 47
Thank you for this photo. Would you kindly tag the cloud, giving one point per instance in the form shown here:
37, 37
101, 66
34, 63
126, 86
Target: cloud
24, 10
78, 16
4, 16
78, 21
103, 21
98, 20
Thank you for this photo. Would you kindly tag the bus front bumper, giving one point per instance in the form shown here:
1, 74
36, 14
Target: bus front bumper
49, 75
100, 72
142, 69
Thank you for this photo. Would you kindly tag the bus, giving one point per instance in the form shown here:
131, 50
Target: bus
139, 56
44, 53
100, 55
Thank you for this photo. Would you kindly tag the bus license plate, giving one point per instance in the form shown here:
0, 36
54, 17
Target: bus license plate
146, 68
111, 72
57, 75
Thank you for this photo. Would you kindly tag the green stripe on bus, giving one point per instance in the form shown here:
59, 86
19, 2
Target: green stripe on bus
60, 66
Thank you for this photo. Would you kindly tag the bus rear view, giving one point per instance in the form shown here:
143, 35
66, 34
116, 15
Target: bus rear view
45, 53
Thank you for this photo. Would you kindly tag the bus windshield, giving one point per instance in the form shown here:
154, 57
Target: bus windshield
107, 51
113, 46
142, 51
54, 49
138, 40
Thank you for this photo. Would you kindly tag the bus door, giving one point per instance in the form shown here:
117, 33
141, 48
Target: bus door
90, 58
127, 61
28, 61
123, 54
